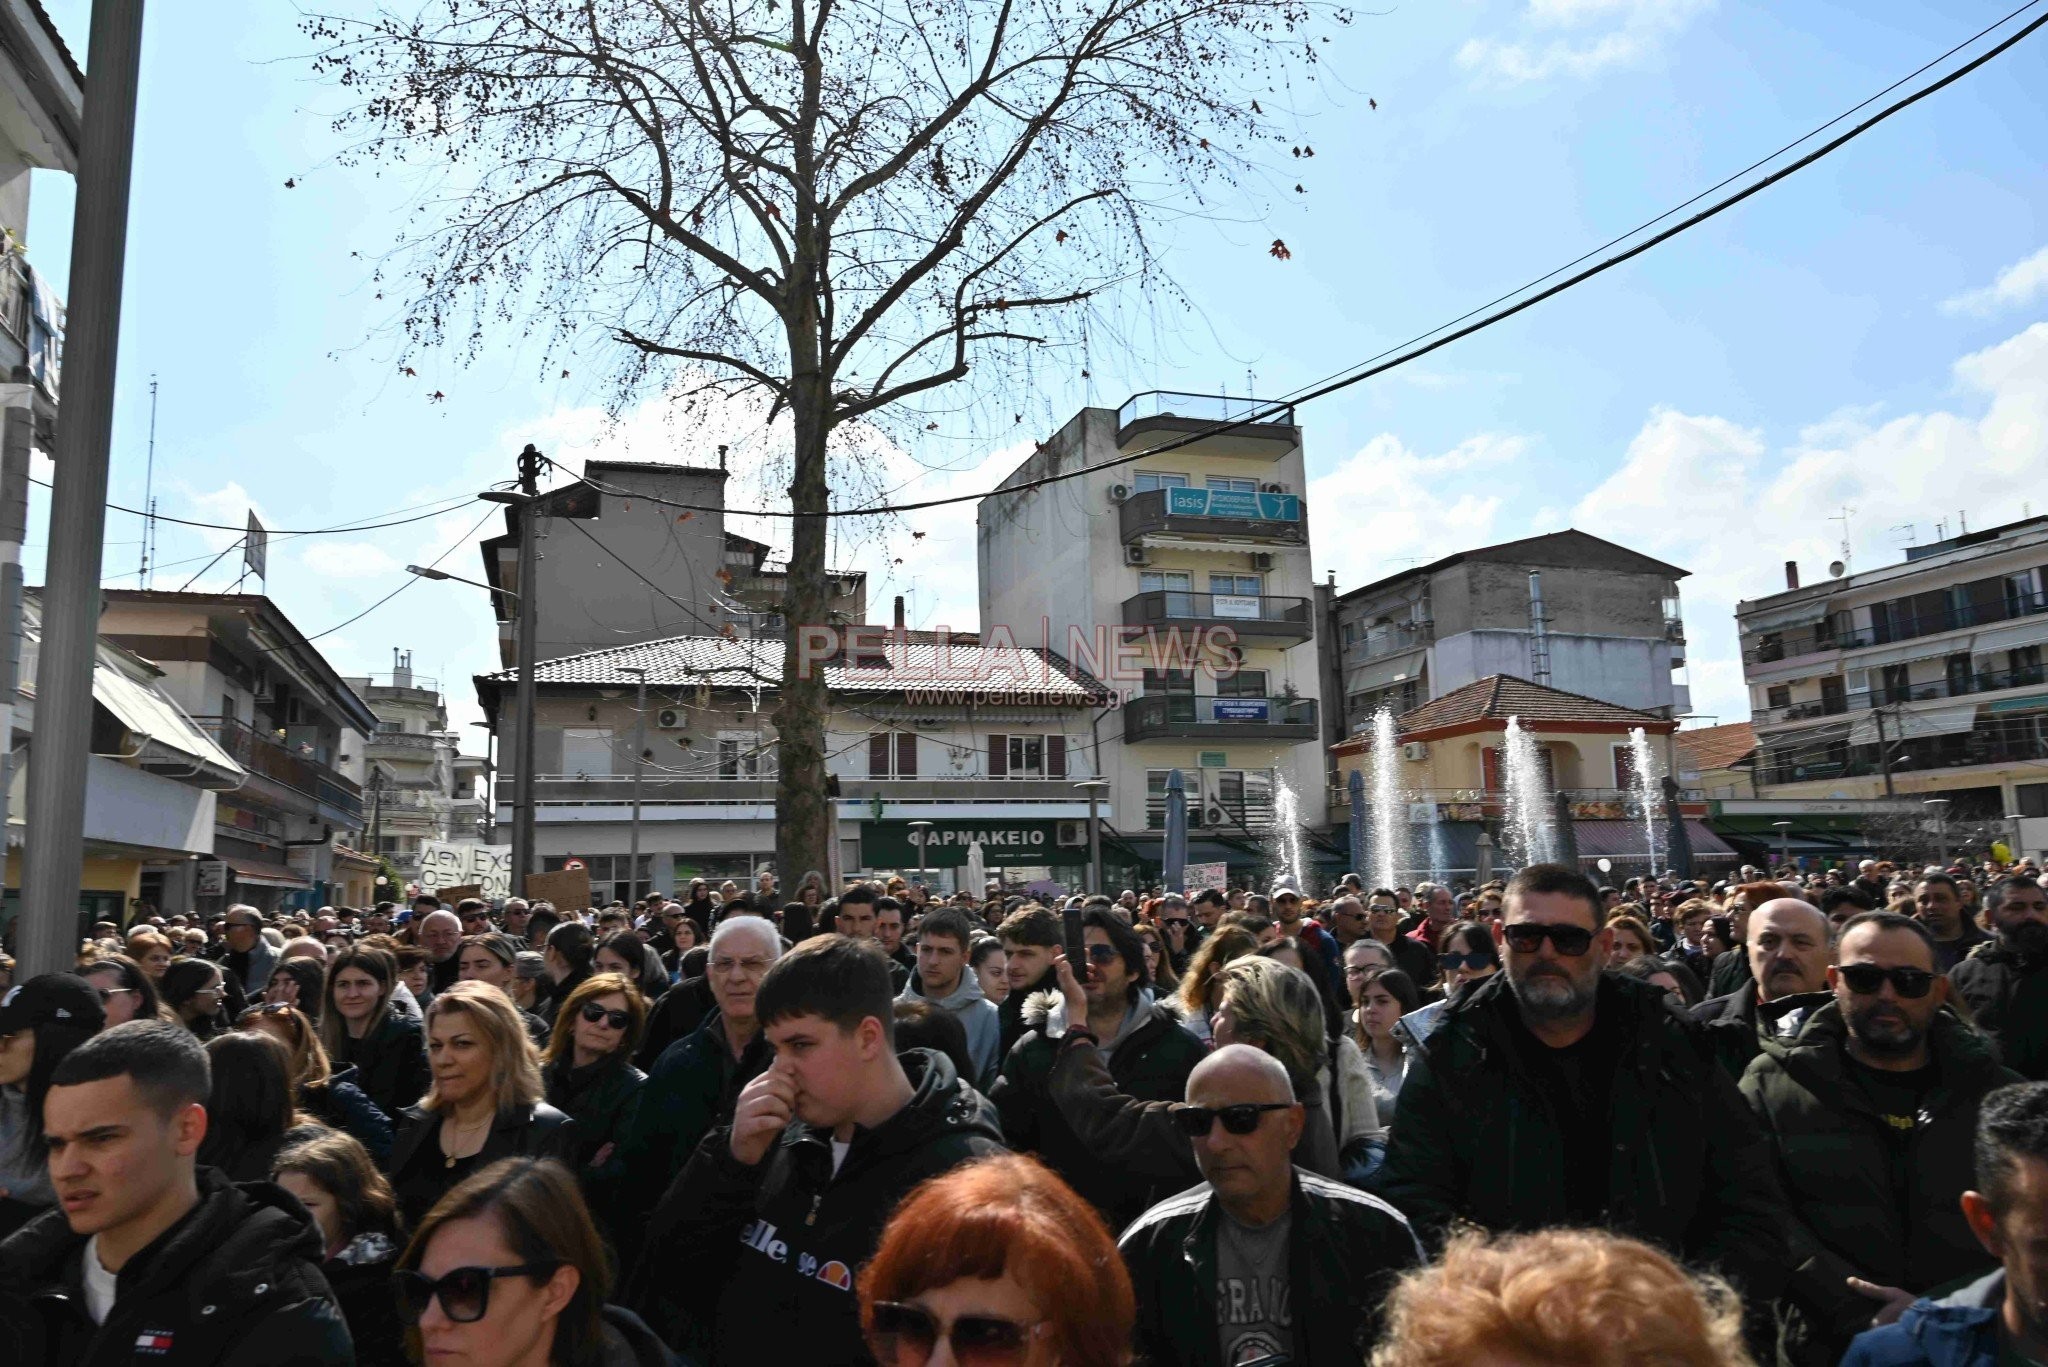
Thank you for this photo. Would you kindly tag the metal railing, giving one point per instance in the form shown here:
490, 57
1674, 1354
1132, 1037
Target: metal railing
1395, 639
1147, 512
1771, 646
291, 766
1159, 606
1892, 695
712, 789
1340, 796
2003, 740
1165, 403
1185, 714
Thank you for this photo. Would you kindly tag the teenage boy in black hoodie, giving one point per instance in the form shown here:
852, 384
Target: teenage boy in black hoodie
775, 1213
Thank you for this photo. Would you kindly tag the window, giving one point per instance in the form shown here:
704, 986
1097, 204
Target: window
1165, 581
1350, 634
1027, 756
1245, 584
1833, 697
740, 755
1245, 795
1155, 799
1896, 688
892, 754
1776, 697
1145, 481
227, 706
1178, 686
2032, 798
586, 753
1231, 485
1245, 683
1960, 675
390, 728
1770, 646
2025, 664
2022, 595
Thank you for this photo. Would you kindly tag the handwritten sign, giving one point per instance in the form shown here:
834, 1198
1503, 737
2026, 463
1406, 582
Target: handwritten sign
569, 889
1202, 877
447, 866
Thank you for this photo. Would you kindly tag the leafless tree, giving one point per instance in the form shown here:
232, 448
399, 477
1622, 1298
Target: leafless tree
843, 206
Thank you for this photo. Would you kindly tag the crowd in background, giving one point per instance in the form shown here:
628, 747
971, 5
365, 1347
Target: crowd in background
1793, 1116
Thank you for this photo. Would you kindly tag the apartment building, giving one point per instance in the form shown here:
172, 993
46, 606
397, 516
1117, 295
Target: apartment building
1174, 565
418, 786
1923, 679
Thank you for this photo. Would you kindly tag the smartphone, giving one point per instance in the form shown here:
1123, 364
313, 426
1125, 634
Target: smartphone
1077, 944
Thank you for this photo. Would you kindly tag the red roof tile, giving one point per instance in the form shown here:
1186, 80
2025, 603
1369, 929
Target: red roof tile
1501, 696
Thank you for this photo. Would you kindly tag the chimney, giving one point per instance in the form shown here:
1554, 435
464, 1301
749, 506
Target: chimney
899, 612
1791, 574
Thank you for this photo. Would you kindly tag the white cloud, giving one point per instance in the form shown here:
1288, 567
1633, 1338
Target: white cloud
1388, 506
1577, 39
1708, 495
333, 560
2016, 286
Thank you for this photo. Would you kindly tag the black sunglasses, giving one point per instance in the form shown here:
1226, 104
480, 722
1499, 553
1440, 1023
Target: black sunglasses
1450, 963
1195, 1121
465, 1292
1103, 954
1866, 979
1525, 937
906, 1336
618, 1020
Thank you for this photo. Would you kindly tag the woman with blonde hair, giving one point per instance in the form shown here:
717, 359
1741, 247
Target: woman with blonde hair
1197, 985
588, 1067
330, 1097
1560, 1296
483, 1100
1274, 1007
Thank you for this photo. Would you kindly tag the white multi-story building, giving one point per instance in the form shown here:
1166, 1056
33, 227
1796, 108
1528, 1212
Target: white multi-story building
418, 786
1922, 679
1180, 579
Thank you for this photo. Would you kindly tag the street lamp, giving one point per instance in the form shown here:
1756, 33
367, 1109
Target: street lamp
639, 674
1938, 806
920, 833
1784, 842
1095, 788
429, 572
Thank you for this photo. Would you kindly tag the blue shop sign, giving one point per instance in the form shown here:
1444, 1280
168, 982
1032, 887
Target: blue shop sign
1240, 709
1232, 503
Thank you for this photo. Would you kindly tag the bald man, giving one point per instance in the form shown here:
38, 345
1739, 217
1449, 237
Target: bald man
1215, 1268
1790, 946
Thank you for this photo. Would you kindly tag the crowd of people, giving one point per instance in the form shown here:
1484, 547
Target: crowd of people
1795, 1117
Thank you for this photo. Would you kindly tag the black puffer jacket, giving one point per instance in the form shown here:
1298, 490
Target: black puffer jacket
2008, 996
1866, 1200
1151, 1063
341, 1104
1477, 1139
1344, 1251
236, 1283
390, 1063
599, 1098
678, 1015
771, 1250
1735, 1023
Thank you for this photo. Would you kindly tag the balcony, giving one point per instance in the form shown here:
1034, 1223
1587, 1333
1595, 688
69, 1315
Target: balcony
667, 790
1397, 639
1992, 741
1958, 685
1215, 514
288, 767
1478, 804
1257, 620
1773, 646
1159, 415
1184, 716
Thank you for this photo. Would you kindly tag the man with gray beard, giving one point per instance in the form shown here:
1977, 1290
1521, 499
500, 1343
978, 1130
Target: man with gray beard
1555, 1095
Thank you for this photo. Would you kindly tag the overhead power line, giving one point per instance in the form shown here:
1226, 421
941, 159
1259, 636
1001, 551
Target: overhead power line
1487, 315
441, 506
410, 580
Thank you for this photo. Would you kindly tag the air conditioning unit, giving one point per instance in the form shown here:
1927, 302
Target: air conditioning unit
671, 719
1271, 488
1135, 555
1119, 492
1262, 560
1070, 833
1415, 749
1215, 816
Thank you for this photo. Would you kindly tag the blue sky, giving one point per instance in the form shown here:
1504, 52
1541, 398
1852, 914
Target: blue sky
1869, 334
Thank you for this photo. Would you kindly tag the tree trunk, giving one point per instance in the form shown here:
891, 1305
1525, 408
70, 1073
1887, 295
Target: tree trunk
806, 821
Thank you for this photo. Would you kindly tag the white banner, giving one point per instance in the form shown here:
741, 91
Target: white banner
445, 865
1202, 877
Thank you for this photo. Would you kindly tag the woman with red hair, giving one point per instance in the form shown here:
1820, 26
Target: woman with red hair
1005, 1264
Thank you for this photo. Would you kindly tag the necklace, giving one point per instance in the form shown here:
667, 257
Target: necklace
452, 1137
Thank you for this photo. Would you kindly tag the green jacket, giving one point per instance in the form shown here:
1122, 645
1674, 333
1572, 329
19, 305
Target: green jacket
1476, 1139
1861, 1198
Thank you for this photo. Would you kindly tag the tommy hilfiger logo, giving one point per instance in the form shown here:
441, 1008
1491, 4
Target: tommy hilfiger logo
153, 1342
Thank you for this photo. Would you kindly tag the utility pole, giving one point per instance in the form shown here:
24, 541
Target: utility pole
55, 857
529, 600
1884, 755
639, 768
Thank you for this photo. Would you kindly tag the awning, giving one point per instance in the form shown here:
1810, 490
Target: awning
1902, 725
258, 874
2026, 704
1803, 614
1628, 840
2005, 637
145, 712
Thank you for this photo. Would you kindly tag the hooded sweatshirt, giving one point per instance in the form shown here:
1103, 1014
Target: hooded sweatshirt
976, 1014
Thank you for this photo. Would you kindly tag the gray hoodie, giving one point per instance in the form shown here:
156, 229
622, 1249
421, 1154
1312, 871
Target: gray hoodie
977, 1016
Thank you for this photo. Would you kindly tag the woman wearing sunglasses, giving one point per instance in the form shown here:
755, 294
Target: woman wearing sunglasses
1005, 1265
333, 1178
508, 1270
125, 990
588, 1068
483, 1104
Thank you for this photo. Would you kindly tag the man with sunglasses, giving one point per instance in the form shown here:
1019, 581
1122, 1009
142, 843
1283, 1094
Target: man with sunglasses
148, 1257
1263, 1260
2005, 983
1553, 1094
1383, 923
1872, 1117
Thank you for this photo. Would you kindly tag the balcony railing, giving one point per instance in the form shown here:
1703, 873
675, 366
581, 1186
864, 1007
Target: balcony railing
1254, 617
670, 790
1217, 513
1772, 646
1891, 695
1188, 717
283, 764
1392, 640
1266, 427
1998, 740
1588, 804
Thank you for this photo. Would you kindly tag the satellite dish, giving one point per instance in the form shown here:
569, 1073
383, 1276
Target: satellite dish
1835, 568
1606, 866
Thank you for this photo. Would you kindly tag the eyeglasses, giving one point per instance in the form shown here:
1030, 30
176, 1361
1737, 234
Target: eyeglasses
906, 1336
1866, 979
618, 1020
750, 968
1451, 963
1180, 921
1525, 937
465, 1292
1377, 910
1195, 1121
1103, 954
107, 994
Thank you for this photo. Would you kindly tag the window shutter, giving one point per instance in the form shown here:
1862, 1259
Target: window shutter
1055, 756
906, 755
998, 756
878, 755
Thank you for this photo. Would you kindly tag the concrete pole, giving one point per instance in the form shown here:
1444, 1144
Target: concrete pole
639, 768
529, 601
14, 461
71, 596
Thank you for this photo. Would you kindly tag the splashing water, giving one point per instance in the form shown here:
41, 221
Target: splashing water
1644, 787
1389, 815
1439, 858
1286, 852
1527, 819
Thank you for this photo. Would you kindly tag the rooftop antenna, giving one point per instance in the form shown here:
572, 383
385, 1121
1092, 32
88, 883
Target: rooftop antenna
1843, 518
145, 574
1912, 536
1962, 522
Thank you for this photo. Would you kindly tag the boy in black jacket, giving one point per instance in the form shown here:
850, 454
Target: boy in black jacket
774, 1214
